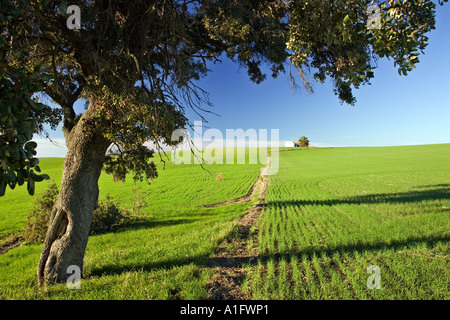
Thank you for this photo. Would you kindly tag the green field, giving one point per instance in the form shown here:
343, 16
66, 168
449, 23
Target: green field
159, 258
332, 213
329, 215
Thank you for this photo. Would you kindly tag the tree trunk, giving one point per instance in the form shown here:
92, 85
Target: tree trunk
71, 218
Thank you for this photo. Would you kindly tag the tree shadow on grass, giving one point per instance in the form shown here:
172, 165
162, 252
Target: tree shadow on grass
143, 224
399, 197
439, 185
150, 224
107, 270
350, 249
203, 261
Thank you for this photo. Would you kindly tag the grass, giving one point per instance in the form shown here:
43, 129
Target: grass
331, 213
17, 203
161, 257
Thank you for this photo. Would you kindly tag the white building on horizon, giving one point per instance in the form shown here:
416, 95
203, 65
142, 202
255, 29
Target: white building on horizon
291, 144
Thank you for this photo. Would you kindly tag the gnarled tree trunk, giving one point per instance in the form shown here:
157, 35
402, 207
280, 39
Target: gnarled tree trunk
71, 218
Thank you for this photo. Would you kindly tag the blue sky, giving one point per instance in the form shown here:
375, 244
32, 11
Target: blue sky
394, 110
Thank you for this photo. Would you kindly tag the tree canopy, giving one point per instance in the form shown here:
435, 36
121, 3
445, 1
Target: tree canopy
303, 141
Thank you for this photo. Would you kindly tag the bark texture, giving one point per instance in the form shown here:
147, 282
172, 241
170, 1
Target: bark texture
71, 218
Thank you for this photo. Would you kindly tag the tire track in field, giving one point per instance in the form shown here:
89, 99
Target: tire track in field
228, 263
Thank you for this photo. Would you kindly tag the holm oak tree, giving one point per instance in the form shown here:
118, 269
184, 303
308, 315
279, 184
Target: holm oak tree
136, 64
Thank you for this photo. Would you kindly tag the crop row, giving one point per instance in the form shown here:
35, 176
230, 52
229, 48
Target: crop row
321, 229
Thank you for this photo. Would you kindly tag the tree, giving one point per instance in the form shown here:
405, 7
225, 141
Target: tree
303, 142
137, 62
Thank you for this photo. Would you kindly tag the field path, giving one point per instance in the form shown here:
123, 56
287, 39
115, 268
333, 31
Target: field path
257, 190
232, 253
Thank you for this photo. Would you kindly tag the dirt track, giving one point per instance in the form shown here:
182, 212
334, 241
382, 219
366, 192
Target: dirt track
233, 253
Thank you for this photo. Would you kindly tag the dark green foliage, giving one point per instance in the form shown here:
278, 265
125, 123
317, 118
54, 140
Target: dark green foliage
39, 218
19, 108
333, 37
109, 215
135, 160
252, 33
106, 216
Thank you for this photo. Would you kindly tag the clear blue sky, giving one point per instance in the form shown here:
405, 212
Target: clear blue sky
394, 110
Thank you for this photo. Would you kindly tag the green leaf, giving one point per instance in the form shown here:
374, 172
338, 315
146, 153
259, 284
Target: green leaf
36, 105
40, 177
20, 180
31, 186
11, 175
12, 184
21, 138
30, 145
2, 189
34, 161
46, 77
63, 8
415, 35
41, 67
18, 54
